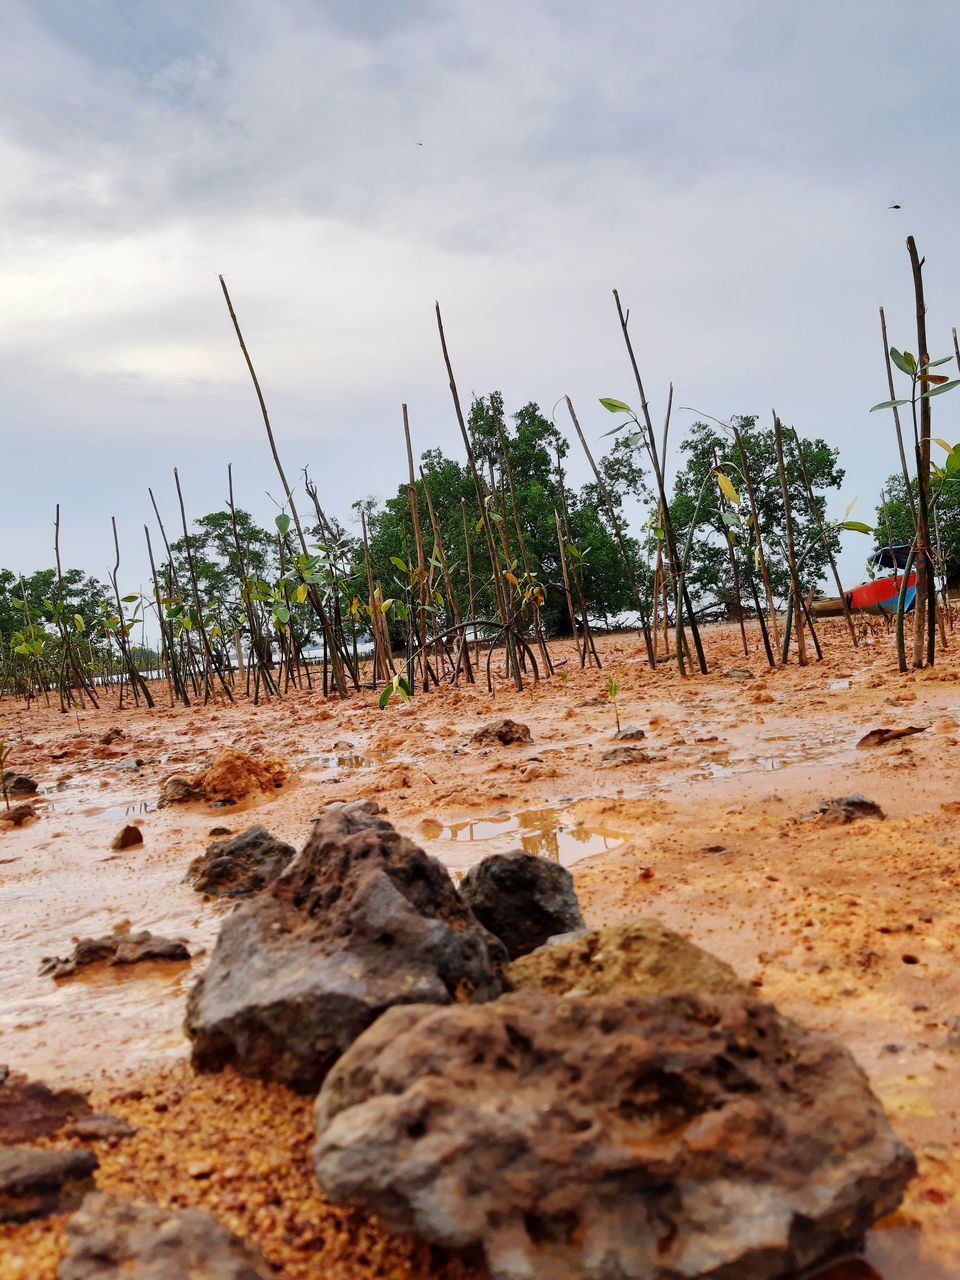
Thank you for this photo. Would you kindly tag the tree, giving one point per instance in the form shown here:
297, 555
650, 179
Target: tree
709, 574
895, 525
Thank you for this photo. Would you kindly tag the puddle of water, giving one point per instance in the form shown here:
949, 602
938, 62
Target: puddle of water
135, 809
544, 832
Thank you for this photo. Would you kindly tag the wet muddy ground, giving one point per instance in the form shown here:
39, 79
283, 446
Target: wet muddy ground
852, 929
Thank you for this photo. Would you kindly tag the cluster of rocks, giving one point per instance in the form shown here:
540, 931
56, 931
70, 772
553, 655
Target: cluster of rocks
609, 1102
230, 777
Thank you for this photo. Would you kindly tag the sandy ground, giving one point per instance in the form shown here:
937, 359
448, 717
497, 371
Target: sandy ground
851, 929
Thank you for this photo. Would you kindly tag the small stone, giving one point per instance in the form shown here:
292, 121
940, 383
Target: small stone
99, 1126
739, 673
504, 732
111, 736
179, 789
35, 1183
119, 947
30, 1109
19, 784
18, 814
630, 733
128, 765
845, 809
128, 837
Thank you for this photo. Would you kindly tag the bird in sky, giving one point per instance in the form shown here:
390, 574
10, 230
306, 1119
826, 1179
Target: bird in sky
893, 206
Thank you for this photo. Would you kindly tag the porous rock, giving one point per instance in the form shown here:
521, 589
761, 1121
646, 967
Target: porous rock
110, 1236
231, 775
639, 958
618, 756
586, 1138
522, 899
630, 733
504, 732
19, 784
180, 789
240, 866
361, 919
18, 814
35, 1183
114, 948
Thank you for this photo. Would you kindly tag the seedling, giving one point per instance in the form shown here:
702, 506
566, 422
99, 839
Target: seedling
613, 688
398, 688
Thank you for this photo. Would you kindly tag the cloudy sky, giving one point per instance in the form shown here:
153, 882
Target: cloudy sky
726, 163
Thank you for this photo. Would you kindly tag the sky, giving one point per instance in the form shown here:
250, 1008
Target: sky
344, 163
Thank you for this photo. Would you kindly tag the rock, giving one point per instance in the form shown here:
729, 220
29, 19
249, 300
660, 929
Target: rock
129, 764
240, 866
232, 775
99, 1126
618, 756
109, 1237
739, 673
505, 732
36, 1183
641, 1138
845, 809
111, 736
180, 789
114, 948
630, 733
18, 814
639, 958
127, 837
30, 1109
880, 737
361, 919
522, 899
19, 784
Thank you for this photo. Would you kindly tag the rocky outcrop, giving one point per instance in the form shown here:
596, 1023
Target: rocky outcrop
114, 948
240, 866
641, 958
522, 899
109, 1237
502, 732
30, 1109
36, 1183
584, 1138
360, 920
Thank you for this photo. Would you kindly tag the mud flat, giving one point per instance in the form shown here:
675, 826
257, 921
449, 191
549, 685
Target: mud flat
711, 824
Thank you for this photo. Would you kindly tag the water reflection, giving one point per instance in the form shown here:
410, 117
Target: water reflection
544, 832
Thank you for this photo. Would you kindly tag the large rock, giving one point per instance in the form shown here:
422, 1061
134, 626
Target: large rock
360, 920
641, 958
240, 866
666, 1137
504, 732
36, 1183
522, 899
110, 1237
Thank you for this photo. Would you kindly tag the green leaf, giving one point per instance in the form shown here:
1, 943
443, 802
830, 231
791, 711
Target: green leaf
614, 406
129, 599
401, 564
904, 361
283, 523
78, 622
855, 526
282, 615
730, 519
385, 697
938, 391
953, 462
932, 364
888, 404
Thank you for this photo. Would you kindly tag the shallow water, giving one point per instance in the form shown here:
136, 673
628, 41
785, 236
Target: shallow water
549, 833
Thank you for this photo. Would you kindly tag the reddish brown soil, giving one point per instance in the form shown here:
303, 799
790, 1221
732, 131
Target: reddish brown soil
851, 929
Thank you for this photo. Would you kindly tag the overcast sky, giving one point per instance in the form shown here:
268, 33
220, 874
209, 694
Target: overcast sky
726, 163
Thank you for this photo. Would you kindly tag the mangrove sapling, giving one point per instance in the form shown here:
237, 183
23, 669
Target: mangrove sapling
796, 592
658, 462
621, 541
576, 560
923, 386
337, 658
209, 665
505, 621
420, 615
397, 688
4, 758
439, 559
613, 688
727, 528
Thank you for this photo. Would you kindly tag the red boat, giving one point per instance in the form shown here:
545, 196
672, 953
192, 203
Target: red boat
884, 592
